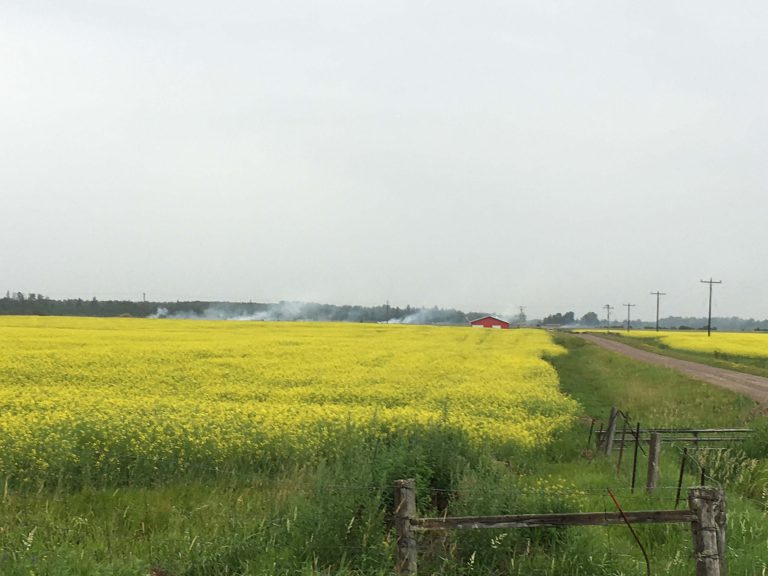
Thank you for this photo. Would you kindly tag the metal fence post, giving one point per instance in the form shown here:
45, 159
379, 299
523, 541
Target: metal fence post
634, 457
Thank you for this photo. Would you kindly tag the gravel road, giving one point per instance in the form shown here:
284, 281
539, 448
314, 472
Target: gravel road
756, 387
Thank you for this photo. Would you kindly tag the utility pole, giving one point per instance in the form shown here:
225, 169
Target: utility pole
144, 296
709, 317
629, 307
522, 317
608, 309
386, 313
657, 294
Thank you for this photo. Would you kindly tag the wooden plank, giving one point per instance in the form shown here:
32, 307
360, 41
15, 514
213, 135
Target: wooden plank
698, 430
552, 520
631, 439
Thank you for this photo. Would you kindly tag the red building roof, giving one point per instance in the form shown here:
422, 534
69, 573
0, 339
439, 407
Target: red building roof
490, 322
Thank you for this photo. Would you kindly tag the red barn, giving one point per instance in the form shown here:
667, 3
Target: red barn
489, 322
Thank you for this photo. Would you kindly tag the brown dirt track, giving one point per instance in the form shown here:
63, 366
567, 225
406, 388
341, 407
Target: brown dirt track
756, 387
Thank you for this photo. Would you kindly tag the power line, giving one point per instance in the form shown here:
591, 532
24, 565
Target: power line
629, 307
608, 309
657, 294
709, 317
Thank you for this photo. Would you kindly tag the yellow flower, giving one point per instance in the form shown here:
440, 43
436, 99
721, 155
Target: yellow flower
114, 396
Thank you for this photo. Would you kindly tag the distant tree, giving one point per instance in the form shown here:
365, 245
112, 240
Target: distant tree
553, 319
590, 319
567, 318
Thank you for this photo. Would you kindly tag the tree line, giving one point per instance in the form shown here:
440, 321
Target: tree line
39, 305
591, 320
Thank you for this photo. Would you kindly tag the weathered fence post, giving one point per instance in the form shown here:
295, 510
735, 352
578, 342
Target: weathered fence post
654, 453
721, 520
708, 504
610, 433
405, 509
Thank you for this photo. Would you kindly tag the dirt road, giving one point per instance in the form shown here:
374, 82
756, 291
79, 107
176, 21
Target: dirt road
756, 387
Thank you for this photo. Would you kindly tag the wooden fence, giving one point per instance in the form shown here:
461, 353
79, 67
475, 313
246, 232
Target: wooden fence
608, 439
706, 515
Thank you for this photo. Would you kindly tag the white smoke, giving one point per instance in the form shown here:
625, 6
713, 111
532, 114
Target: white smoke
159, 313
218, 313
422, 316
310, 312
282, 311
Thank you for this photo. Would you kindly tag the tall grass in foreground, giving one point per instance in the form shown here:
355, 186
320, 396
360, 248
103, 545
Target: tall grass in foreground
335, 518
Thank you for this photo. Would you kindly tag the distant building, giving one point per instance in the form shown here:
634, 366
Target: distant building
489, 322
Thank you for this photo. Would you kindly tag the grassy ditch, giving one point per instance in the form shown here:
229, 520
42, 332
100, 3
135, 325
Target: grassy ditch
657, 396
660, 397
719, 358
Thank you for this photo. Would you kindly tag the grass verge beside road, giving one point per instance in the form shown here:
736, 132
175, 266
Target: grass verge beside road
719, 358
656, 396
661, 397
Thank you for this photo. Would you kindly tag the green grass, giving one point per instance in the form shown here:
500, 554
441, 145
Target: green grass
270, 527
334, 518
660, 397
657, 396
718, 359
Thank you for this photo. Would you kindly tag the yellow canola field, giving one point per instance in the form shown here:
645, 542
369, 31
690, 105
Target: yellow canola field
114, 398
746, 344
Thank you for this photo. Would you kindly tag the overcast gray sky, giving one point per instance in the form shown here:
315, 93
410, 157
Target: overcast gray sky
480, 155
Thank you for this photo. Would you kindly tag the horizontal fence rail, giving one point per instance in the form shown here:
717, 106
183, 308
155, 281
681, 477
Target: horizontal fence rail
552, 520
632, 433
680, 435
706, 515
697, 430
681, 439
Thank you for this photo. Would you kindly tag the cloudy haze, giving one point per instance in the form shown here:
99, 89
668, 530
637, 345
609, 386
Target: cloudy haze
478, 155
